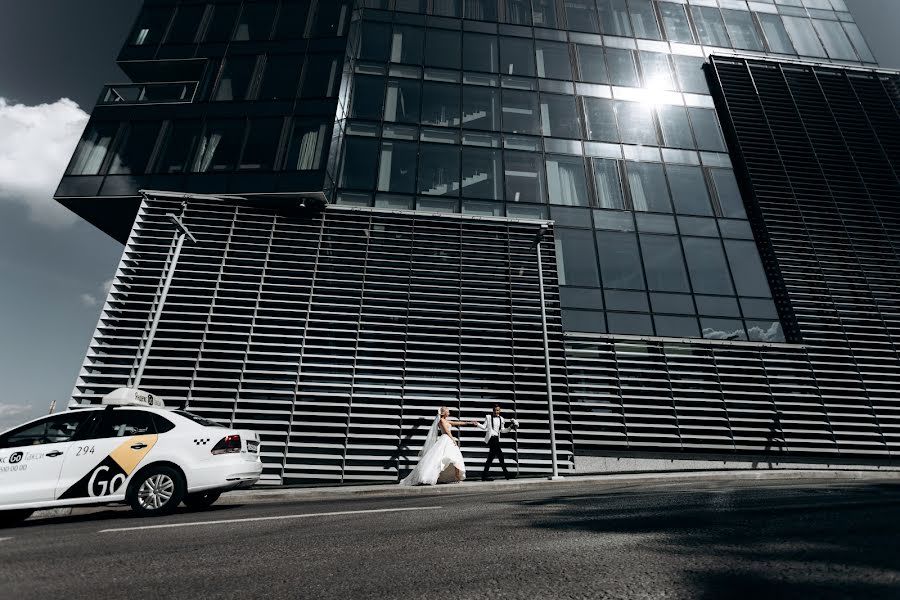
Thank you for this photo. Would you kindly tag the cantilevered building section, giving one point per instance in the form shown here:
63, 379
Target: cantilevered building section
366, 180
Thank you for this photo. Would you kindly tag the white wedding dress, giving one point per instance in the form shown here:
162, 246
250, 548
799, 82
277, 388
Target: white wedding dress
440, 461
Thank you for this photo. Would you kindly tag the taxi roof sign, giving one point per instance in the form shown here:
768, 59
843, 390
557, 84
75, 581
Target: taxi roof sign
132, 397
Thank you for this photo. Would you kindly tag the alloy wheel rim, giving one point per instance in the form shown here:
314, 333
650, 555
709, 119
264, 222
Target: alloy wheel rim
156, 491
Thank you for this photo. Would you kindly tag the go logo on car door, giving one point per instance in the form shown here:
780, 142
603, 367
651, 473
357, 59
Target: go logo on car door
108, 477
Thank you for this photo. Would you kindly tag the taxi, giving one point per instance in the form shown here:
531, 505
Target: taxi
129, 449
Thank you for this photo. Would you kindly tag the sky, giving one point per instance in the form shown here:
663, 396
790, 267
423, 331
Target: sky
55, 56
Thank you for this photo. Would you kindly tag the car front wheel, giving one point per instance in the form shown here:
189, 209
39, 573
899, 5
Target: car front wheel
10, 518
156, 491
201, 500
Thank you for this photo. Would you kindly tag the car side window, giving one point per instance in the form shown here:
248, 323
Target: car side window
124, 423
162, 424
50, 430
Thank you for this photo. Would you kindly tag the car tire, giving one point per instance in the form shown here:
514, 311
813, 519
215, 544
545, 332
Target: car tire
156, 491
201, 500
11, 518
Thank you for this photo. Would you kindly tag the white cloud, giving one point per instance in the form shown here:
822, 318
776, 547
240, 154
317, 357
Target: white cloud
107, 285
36, 143
13, 414
88, 300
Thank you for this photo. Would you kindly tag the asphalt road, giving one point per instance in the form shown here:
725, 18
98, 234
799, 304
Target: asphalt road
684, 540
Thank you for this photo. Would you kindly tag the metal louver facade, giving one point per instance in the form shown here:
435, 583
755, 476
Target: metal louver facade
337, 336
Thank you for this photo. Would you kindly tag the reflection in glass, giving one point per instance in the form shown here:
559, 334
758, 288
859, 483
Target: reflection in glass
679, 304
414, 6
643, 19
656, 70
360, 156
221, 25
776, 35
803, 36
401, 103
620, 260
566, 183
647, 184
447, 8
406, 45
834, 39
520, 112
667, 326
440, 104
92, 149
218, 147
707, 266
553, 60
629, 323
368, 97
151, 25
689, 193
255, 22
186, 25
480, 53
559, 117
728, 194
234, 84
133, 150
636, 123
516, 56
581, 15
765, 331
675, 22
481, 108
575, 257
723, 329
706, 129
481, 10
307, 146
710, 26
600, 119
374, 41
607, 184
438, 170
481, 176
717, 306
740, 26
859, 42
614, 17
181, 137
747, 268
262, 144
676, 129
689, 70
397, 167
442, 49
544, 12
622, 70
321, 76
524, 176
591, 64
663, 264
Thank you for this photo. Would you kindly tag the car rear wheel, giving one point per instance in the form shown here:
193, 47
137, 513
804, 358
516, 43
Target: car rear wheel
10, 518
201, 500
156, 491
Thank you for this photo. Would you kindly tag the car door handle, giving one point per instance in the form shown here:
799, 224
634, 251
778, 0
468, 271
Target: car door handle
139, 446
54, 454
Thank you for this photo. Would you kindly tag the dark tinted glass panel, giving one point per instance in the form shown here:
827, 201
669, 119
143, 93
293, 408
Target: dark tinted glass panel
620, 262
414, 6
590, 321
447, 8
518, 12
178, 146
655, 223
92, 149
307, 146
679, 304
710, 26
591, 64
803, 36
834, 39
407, 45
134, 149
675, 22
401, 103
707, 266
581, 15
517, 56
643, 19
728, 194
575, 257
732, 228
648, 187
151, 25
717, 306
600, 119
614, 17
776, 35
581, 298
544, 13
607, 184
255, 22
627, 301
442, 49
689, 70
741, 29
622, 69
481, 10
221, 25
281, 78
747, 268
676, 129
218, 147
566, 182
262, 145
676, 326
438, 170
375, 41
480, 53
859, 42
521, 112
237, 74
440, 104
397, 167
723, 329
663, 264
706, 129
291, 23
636, 124
321, 76
481, 174
186, 25
698, 226
481, 108
559, 116
331, 18
629, 323
368, 97
759, 309
689, 193
524, 175
553, 60
360, 156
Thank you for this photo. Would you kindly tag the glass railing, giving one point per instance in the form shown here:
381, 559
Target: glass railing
149, 93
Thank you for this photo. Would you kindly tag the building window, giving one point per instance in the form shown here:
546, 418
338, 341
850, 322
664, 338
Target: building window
656, 71
747, 268
707, 266
447, 8
614, 17
306, 146
517, 56
676, 130
636, 124
600, 120
622, 68
566, 183
575, 257
263, 141
647, 185
331, 18
255, 22
237, 75
544, 12
179, 146
804, 37
739, 24
397, 167
663, 264
134, 148
524, 176
581, 15
151, 25
727, 193
710, 26
559, 116
481, 108
480, 53
221, 25
706, 129
374, 41
292, 20
775, 33
552, 60
591, 64
675, 22
518, 12
689, 193
186, 25
402, 101
358, 170
620, 260
281, 78
481, 174
442, 49
438, 170
218, 147
689, 70
440, 104
92, 149
834, 39
643, 19
520, 112
368, 97
608, 184
480, 10
321, 76
407, 45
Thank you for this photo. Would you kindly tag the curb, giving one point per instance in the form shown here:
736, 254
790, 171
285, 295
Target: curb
263, 495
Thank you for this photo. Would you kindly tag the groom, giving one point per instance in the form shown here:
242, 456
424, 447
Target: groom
494, 425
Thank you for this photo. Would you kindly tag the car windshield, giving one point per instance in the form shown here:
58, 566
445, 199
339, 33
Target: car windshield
197, 419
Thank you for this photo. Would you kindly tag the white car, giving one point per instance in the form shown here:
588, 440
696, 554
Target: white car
129, 449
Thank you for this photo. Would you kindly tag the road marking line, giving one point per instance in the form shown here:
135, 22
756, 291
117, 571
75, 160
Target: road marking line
276, 518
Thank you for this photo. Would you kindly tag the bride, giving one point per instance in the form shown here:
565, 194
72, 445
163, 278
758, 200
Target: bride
440, 460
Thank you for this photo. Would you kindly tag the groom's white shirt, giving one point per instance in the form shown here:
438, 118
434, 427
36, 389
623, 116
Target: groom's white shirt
490, 427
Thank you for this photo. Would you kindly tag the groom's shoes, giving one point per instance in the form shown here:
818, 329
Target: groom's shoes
509, 476
486, 478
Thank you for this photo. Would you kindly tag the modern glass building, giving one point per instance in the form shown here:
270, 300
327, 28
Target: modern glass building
365, 180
